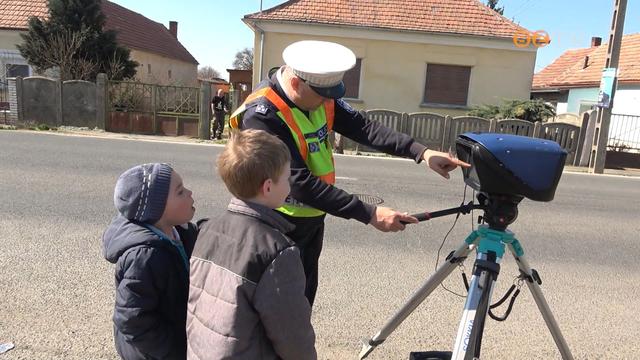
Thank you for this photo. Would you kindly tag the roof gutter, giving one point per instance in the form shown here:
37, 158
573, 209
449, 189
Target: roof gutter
407, 31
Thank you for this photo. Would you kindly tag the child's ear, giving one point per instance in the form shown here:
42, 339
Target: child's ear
266, 186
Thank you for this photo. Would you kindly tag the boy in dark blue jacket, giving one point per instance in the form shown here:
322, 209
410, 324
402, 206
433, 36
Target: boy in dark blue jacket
150, 241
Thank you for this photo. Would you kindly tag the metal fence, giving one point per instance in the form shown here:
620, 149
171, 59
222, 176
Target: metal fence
624, 133
439, 132
153, 109
5, 108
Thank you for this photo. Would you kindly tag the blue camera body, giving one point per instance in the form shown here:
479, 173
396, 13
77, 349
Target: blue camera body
513, 165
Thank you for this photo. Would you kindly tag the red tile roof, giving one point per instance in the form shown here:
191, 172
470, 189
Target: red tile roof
134, 30
15, 14
138, 32
467, 17
568, 70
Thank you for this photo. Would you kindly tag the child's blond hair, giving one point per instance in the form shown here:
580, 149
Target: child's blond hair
250, 158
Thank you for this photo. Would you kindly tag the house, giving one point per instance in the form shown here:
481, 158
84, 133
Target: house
412, 55
14, 15
162, 58
215, 84
572, 81
241, 81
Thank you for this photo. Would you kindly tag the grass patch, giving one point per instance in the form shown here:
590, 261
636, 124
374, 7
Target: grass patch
41, 127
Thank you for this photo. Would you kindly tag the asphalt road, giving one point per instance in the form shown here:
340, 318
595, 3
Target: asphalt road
56, 289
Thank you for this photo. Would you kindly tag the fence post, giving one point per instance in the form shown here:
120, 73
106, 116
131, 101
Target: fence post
17, 89
587, 140
235, 99
537, 128
59, 109
581, 135
447, 132
205, 112
101, 101
404, 123
493, 125
154, 103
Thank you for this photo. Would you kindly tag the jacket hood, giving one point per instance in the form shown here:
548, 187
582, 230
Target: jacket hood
123, 234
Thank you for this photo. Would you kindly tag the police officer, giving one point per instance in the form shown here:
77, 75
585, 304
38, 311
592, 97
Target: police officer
301, 103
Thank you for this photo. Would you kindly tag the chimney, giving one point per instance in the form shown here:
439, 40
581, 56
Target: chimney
173, 28
596, 41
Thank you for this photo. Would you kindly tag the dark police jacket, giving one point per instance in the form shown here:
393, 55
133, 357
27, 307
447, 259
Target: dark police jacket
309, 189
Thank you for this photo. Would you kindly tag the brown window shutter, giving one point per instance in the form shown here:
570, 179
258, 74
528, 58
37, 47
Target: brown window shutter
351, 81
447, 84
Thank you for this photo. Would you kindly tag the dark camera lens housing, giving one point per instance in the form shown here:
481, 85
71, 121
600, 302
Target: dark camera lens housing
511, 165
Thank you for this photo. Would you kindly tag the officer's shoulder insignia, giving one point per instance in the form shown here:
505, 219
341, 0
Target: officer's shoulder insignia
262, 109
345, 105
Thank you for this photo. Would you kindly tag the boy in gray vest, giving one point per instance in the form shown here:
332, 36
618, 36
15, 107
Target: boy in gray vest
246, 297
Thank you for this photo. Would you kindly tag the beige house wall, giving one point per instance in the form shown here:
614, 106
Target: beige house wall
9, 53
394, 65
9, 39
155, 69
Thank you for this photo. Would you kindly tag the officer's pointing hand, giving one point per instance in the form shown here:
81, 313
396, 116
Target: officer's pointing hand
386, 219
442, 163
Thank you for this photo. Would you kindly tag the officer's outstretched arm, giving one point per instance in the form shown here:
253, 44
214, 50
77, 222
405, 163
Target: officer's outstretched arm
386, 219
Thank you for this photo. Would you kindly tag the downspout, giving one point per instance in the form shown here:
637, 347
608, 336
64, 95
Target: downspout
257, 29
261, 52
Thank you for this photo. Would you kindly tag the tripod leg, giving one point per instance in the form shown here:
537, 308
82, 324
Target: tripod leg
469, 338
536, 291
418, 297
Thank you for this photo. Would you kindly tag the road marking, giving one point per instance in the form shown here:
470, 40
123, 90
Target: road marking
346, 178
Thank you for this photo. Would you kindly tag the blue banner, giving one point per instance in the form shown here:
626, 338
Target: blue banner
606, 87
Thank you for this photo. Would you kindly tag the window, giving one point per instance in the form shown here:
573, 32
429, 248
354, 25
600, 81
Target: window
148, 68
447, 84
13, 70
169, 74
351, 81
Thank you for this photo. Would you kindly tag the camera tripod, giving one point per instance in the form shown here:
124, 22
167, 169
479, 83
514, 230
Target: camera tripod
489, 241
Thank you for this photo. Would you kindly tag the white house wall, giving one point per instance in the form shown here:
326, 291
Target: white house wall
626, 101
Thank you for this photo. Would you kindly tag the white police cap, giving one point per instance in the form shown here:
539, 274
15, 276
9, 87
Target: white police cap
321, 65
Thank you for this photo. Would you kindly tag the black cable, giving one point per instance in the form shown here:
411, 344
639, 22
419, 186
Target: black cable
464, 197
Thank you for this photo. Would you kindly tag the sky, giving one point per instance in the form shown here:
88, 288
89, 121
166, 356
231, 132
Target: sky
213, 32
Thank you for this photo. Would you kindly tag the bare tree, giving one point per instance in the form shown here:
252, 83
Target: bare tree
61, 52
244, 59
207, 72
116, 66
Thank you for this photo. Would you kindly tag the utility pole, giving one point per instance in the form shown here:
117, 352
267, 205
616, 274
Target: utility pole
601, 133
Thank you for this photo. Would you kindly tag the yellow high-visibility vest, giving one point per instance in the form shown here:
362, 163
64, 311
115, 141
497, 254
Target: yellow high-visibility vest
311, 136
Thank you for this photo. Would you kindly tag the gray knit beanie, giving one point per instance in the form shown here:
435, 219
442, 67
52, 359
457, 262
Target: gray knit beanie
141, 192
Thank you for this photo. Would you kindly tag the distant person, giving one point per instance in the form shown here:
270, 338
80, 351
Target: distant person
219, 108
246, 299
150, 241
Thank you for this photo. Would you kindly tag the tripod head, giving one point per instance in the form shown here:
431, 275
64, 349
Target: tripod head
499, 210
